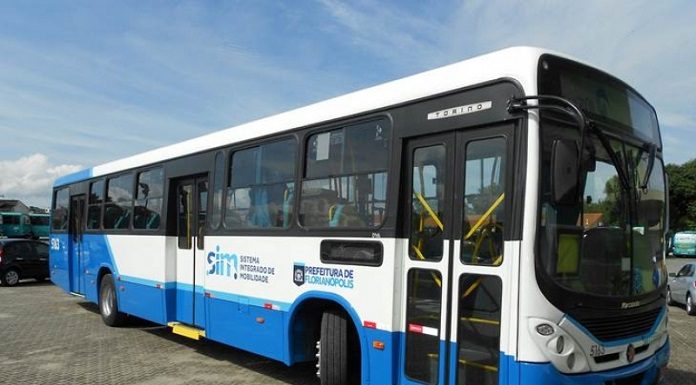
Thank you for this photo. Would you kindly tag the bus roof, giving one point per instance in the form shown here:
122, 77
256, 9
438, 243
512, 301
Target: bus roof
514, 63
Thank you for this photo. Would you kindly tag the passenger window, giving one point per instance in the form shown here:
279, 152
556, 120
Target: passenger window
60, 209
345, 182
262, 186
218, 186
41, 249
119, 202
96, 198
148, 203
20, 250
684, 271
484, 202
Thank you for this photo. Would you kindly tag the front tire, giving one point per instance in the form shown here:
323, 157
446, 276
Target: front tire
690, 308
670, 301
10, 277
108, 303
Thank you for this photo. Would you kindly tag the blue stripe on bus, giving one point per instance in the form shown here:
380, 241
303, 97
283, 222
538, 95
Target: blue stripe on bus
74, 177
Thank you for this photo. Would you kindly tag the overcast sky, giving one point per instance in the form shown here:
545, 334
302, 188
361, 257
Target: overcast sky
83, 83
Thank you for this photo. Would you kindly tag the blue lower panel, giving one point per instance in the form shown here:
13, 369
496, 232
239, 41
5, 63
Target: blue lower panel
143, 301
529, 373
184, 306
251, 328
382, 364
58, 261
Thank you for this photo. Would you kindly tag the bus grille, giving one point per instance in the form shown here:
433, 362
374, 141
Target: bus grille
625, 326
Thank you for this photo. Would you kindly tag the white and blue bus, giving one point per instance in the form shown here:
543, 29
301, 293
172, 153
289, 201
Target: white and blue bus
496, 221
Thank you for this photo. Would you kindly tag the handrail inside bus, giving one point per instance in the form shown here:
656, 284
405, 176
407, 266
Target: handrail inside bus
430, 211
420, 256
485, 216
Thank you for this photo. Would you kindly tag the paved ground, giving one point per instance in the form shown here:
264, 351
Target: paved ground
48, 337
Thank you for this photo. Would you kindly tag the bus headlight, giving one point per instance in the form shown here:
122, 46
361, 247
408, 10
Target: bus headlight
558, 346
544, 329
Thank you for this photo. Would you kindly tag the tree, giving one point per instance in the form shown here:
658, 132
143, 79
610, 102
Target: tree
682, 196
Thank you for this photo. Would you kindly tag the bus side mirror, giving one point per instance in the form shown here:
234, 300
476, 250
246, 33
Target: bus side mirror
652, 210
564, 171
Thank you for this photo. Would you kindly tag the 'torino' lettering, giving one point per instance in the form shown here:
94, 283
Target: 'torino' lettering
460, 110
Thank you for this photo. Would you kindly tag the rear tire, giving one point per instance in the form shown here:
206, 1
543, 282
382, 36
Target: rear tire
690, 306
333, 349
108, 303
10, 277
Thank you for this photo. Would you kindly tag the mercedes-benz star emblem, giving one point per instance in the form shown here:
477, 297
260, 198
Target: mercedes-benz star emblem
630, 353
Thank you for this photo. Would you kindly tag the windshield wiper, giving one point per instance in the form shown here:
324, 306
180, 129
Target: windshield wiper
620, 170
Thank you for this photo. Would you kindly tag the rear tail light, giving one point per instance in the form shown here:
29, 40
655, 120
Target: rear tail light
2, 254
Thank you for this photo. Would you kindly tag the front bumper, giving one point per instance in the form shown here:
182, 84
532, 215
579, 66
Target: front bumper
645, 372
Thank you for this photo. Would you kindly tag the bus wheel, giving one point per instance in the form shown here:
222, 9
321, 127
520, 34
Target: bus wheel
690, 308
332, 349
108, 304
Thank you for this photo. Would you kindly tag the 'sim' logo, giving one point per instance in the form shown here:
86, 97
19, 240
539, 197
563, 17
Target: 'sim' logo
222, 264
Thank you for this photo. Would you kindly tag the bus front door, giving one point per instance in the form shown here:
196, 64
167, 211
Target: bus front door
192, 206
76, 230
454, 264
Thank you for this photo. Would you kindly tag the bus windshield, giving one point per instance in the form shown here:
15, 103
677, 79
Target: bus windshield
610, 241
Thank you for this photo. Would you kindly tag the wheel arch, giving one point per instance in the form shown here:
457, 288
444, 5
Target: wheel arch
304, 321
103, 270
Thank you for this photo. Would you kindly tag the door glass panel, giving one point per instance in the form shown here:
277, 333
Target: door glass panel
95, 200
478, 335
484, 202
423, 325
202, 212
218, 185
427, 203
185, 215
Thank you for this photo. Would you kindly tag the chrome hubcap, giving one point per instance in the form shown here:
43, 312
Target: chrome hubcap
107, 302
12, 277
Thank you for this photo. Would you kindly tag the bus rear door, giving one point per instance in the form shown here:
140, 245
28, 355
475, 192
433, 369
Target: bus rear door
76, 228
192, 206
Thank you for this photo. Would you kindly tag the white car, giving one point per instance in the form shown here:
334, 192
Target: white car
682, 288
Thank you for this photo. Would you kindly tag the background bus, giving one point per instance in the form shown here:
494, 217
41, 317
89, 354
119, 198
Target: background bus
40, 224
15, 225
428, 230
684, 244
